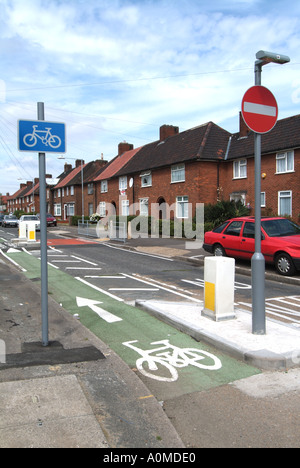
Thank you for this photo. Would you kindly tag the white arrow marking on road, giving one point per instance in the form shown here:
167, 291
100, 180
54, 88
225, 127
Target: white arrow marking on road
104, 314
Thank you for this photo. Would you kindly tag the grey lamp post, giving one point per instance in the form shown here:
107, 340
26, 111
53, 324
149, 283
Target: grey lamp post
258, 260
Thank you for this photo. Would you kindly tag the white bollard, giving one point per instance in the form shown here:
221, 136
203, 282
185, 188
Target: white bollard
219, 276
22, 230
30, 231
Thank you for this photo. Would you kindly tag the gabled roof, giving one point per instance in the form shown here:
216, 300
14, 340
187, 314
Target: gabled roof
69, 177
285, 135
116, 164
206, 142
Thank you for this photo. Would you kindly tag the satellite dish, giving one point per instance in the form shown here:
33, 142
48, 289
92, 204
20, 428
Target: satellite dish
131, 182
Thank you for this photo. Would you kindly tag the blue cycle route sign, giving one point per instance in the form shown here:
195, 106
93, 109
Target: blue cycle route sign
41, 136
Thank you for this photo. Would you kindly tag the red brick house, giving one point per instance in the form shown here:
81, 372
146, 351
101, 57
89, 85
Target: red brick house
67, 198
204, 165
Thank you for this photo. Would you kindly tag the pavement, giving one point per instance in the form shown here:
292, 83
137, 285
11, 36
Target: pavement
77, 392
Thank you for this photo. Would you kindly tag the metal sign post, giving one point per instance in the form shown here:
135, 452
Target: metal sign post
42, 137
43, 219
259, 110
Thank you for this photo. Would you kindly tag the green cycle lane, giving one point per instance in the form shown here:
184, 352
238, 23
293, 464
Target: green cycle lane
179, 365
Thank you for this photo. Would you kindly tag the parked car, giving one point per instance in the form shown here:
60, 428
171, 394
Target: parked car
51, 220
280, 242
10, 221
31, 218
1, 218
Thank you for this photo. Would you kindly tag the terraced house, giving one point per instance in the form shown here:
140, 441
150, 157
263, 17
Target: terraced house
204, 165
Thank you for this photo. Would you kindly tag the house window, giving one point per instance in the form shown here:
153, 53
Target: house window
72, 190
123, 183
240, 169
91, 209
104, 186
263, 199
146, 179
285, 162
57, 209
90, 189
238, 197
70, 209
62, 192
125, 207
285, 203
144, 207
178, 173
67, 191
182, 207
58, 192
102, 209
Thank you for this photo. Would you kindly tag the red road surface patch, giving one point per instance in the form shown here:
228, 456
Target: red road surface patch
53, 242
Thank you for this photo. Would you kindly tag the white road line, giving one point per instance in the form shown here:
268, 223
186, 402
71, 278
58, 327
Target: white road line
165, 289
105, 277
83, 260
82, 268
133, 289
140, 253
12, 261
99, 289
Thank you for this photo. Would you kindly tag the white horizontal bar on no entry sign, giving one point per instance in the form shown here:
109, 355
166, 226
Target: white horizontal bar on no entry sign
261, 109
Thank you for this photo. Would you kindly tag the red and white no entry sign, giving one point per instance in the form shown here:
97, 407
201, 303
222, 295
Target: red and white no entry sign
259, 109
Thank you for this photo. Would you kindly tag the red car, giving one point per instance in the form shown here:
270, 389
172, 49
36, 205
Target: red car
280, 242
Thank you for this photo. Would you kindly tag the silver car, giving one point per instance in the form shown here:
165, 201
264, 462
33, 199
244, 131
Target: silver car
31, 218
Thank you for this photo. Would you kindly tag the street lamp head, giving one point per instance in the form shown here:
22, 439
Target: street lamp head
268, 57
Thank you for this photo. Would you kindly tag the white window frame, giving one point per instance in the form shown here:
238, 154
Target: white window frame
71, 209
263, 199
90, 188
144, 206
104, 186
285, 194
177, 173
240, 169
102, 209
125, 207
72, 190
146, 179
285, 162
182, 207
57, 209
123, 183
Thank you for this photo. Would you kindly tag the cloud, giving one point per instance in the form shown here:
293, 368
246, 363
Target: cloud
114, 70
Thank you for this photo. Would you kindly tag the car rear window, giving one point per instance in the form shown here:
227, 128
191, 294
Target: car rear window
220, 228
280, 227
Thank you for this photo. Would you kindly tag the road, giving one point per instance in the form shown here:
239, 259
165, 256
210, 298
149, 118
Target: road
99, 283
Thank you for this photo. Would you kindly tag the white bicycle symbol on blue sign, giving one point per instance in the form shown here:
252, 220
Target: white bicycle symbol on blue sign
30, 139
150, 364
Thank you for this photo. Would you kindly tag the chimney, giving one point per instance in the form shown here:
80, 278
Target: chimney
68, 167
244, 129
167, 131
78, 162
123, 147
48, 176
23, 186
36, 180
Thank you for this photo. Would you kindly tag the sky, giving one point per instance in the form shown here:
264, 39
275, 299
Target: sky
116, 70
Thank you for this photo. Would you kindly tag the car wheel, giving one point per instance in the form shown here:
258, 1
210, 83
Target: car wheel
218, 251
284, 264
